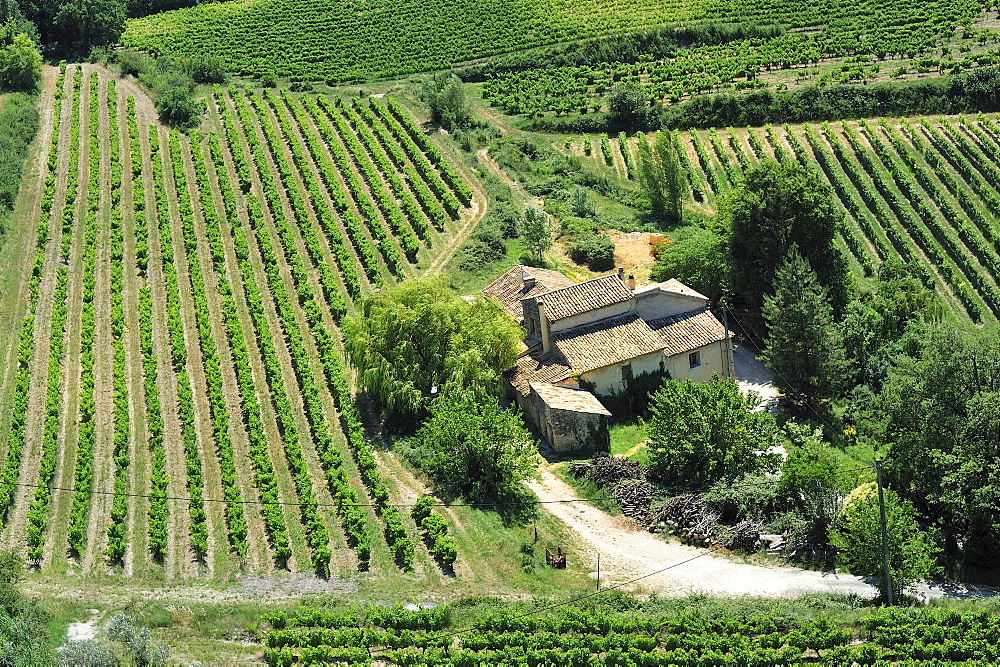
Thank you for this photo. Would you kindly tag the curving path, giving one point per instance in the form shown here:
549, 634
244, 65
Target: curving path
627, 553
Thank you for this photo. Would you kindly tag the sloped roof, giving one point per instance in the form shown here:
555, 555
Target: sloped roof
608, 341
688, 331
584, 297
537, 367
673, 286
509, 289
568, 398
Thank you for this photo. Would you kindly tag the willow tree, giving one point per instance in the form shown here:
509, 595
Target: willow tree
415, 340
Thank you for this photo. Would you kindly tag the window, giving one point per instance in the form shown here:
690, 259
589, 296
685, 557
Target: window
694, 359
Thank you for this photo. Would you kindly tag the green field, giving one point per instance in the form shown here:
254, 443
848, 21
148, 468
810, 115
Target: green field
337, 41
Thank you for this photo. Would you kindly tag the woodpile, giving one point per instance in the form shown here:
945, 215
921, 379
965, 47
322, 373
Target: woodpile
609, 471
686, 516
744, 536
634, 497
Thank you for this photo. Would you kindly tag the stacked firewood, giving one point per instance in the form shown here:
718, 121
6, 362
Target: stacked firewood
609, 471
634, 497
686, 516
744, 536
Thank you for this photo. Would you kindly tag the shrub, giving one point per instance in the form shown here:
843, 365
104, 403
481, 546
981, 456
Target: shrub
596, 251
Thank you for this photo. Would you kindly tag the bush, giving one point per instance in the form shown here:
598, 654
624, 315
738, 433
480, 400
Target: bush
422, 509
178, 108
596, 251
205, 69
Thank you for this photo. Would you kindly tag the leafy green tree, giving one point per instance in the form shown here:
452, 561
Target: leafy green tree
579, 201
702, 432
875, 321
698, 260
912, 551
472, 448
804, 346
939, 415
84, 24
627, 104
781, 204
450, 107
536, 230
178, 107
661, 176
20, 61
417, 339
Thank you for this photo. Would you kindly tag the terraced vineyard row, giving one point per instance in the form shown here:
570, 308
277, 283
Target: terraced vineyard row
926, 189
573, 636
180, 400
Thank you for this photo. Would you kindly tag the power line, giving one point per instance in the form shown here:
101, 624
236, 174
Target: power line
579, 598
795, 391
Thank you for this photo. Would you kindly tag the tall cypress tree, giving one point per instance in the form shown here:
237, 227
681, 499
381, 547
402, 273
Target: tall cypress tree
661, 175
804, 346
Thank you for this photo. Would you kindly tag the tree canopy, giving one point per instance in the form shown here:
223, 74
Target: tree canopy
701, 432
415, 340
536, 230
781, 204
859, 540
20, 61
472, 448
804, 347
939, 415
447, 100
698, 260
661, 176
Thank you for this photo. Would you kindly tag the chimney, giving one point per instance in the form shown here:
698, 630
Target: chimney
527, 281
621, 273
545, 334
631, 283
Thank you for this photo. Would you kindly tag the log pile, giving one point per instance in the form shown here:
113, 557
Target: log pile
634, 497
744, 536
609, 471
686, 516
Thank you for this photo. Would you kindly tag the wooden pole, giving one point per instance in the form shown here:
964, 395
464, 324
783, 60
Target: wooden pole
885, 535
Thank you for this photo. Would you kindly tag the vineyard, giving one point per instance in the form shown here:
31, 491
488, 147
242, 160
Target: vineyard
335, 41
178, 399
926, 189
573, 636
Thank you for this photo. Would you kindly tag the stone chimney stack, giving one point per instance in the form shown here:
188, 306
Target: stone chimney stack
631, 283
544, 332
621, 273
527, 280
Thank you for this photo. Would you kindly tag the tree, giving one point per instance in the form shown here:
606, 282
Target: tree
912, 552
579, 201
447, 100
661, 176
939, 415
697, 260
781, 204
20, 61
178, 107
472, 448
804, 346
536, 230
701, 432
84, 24
417, 339
627, 104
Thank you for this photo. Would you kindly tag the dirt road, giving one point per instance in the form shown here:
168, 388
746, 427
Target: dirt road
627, 553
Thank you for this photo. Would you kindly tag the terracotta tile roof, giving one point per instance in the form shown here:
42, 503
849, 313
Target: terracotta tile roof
537, 367
569, 398
675, 286
609, 341
688, 331
585, 296
509, 288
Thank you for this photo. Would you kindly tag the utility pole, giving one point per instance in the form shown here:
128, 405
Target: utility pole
885, 536
598, 571
729, 342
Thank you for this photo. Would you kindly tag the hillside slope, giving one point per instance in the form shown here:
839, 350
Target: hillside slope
344, 40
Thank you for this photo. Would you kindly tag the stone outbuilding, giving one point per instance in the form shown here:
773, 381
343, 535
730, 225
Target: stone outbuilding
602, 335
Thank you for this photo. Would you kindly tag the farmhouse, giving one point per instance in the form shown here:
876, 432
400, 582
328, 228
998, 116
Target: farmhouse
601, 337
